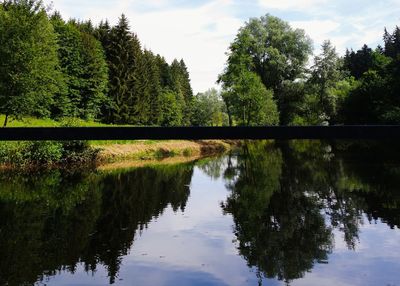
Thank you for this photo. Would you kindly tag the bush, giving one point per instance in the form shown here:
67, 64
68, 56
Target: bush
46, 153
12, 152
78, 152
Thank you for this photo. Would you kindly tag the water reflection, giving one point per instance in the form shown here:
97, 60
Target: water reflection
52, 221
287, 201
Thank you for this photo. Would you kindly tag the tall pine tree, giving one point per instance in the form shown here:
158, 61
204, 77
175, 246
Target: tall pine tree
123, 57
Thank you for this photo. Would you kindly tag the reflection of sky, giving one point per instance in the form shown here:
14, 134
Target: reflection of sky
376, 260
197, 248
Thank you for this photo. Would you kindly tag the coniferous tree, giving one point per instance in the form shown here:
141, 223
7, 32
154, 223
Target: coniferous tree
85, 71
186, 91
142, 90
165, 73
95, 77
123, 59
325, 73
181, 86
359, 62
392, 43
177, 87
154, 88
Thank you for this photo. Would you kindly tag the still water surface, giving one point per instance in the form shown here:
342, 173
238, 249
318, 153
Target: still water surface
297, 213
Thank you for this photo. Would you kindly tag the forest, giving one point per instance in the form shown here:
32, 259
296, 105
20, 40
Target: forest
53, 68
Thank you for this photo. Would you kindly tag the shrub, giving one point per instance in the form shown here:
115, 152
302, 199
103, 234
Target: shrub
46, 152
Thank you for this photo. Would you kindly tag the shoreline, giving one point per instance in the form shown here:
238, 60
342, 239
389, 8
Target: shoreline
137, 154
140, 154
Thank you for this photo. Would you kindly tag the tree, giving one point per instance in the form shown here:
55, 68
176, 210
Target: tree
254, 104
208, 109
325, 73
94, 76
123, 56
269, 47
358, 62
171, 109
392, 43
29, 66
367, 102
181, 86
84, 69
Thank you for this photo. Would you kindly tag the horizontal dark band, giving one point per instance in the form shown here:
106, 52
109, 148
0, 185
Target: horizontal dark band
198, 133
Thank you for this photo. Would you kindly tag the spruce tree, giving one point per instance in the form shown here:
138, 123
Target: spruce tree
142, 90
123, 58
155, 114
94, 77
165, 73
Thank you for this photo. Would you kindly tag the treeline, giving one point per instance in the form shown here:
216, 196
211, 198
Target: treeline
267, 79
54, 68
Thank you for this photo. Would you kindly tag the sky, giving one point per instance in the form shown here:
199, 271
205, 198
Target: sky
200, 31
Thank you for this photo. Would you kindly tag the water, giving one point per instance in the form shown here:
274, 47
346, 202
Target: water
297, 213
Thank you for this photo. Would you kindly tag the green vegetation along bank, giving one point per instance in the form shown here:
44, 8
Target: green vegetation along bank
50, 154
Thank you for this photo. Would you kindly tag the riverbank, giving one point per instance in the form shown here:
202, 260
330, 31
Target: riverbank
100, 154
142, 153
150, 150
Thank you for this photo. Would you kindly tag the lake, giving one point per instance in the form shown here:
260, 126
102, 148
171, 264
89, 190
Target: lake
268, 213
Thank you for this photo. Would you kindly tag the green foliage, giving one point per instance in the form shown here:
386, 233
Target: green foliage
364, 102
324, 76
208, 109
123, 56
45, 153
29, 73
270, 48
85, 71
171, 109
256, 105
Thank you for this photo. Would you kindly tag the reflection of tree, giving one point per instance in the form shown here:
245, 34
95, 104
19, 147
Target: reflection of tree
286, 200
318, 171
55, 220
280, 229
212, 167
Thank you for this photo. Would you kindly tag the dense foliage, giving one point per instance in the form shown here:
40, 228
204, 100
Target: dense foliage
53, 68
360, 88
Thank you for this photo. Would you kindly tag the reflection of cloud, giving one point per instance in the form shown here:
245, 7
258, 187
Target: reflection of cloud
375, 261
201, 238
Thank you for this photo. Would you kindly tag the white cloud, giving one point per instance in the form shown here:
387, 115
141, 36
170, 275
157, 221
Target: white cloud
318, 30
291, 4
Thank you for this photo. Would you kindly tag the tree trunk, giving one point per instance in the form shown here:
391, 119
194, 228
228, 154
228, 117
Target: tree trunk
5, 121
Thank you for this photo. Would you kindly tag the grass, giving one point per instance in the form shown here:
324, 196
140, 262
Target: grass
73, 122
45, 122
